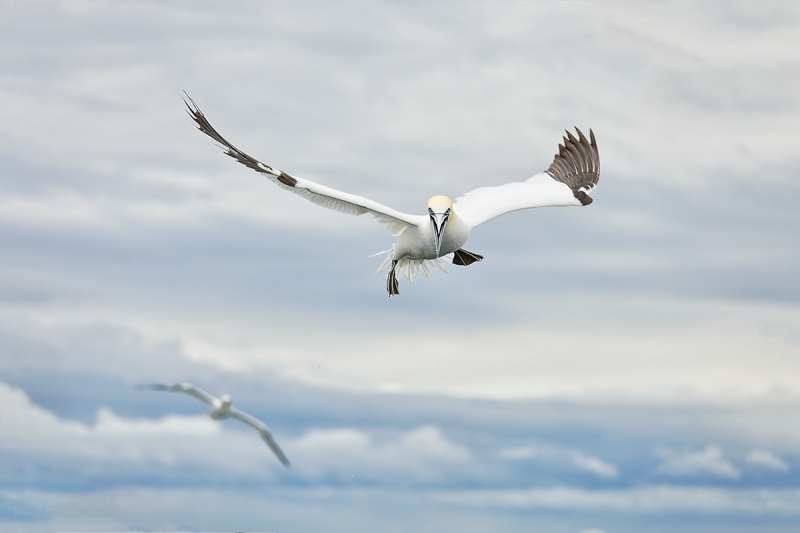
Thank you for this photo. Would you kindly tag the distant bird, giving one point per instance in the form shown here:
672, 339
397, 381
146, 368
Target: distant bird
424, 240
221, 408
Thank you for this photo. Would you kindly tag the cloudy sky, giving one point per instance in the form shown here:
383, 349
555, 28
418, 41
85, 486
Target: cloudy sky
629, 366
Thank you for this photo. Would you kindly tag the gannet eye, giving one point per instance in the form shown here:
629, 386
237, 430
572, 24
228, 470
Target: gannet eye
447, 212
430, 210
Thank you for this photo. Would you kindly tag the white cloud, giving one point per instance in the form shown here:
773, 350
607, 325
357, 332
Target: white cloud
379, 509
547, 452
524, 452
424, 105
116, 215
423, 453
710, 461
766, 459
788, 331
595, 465
171, 440
685, 344
645, 499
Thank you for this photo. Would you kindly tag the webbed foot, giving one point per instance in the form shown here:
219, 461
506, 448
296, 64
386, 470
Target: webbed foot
464, 258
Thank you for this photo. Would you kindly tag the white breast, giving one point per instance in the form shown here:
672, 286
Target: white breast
419, 243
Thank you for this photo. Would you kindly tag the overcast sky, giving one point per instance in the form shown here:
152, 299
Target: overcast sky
629, 366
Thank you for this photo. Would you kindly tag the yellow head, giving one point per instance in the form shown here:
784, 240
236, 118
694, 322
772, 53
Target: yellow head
440, 204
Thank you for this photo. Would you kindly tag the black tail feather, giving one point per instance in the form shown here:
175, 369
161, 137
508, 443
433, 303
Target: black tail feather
392, 286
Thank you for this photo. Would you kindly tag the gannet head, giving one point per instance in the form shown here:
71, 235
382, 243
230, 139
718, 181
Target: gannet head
439, 209
221, 407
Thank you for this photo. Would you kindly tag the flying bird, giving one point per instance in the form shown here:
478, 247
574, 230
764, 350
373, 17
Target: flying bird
425, 241
221, 408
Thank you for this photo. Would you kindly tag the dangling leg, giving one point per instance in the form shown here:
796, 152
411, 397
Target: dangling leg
392, 287
464, 258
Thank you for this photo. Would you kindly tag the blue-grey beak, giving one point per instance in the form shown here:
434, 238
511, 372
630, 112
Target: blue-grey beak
439, 221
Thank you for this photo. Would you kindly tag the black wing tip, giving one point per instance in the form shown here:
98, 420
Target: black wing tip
577, 164
191, 104
205, 126
274, 447
154, 386
592, 142
165, 386
200, 119
192, 108
583, 198
286, 179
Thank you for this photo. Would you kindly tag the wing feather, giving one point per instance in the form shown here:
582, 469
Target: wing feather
188, 388
263, 430
395, 221
574, 172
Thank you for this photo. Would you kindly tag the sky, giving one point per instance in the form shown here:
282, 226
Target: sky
632, 365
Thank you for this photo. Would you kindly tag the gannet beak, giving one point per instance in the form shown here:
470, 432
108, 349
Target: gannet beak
439, 221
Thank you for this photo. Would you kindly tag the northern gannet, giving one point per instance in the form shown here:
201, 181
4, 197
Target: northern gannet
221, 408
424, 240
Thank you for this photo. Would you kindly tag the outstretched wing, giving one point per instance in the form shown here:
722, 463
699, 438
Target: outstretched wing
395, 221
188, 388
263, 430
574, 172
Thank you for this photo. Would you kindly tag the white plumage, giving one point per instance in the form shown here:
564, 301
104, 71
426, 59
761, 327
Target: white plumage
424, 242
221, 408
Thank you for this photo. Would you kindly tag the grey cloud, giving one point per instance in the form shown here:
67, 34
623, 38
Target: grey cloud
183, 443
766, 459
132, 249
710, 461
549, 453
701, 500
470, 511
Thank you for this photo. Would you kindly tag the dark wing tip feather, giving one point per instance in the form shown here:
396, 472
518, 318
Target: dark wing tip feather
154, 386
577, 164
205, 126
275, 448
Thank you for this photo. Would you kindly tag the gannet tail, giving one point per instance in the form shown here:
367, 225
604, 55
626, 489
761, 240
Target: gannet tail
410, 267
392, 285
